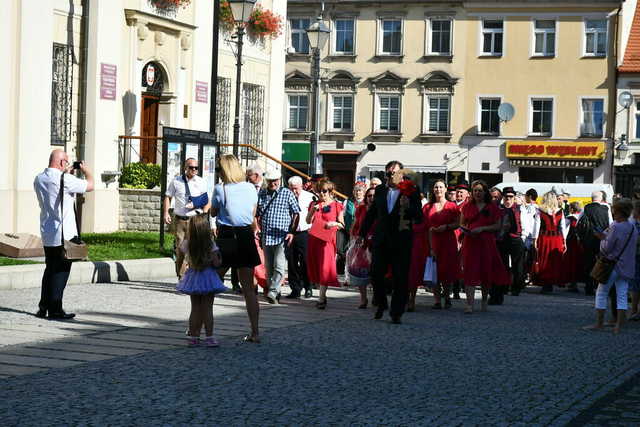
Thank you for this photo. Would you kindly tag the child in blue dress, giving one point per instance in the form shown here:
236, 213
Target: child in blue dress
201, 280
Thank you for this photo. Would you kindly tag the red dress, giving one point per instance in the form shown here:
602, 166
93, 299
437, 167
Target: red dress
444, 244
550, 249
419, 253
481, 261
321, 254
572, 259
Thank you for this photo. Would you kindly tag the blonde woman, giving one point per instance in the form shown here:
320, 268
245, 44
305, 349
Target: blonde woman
550, 243
234, 206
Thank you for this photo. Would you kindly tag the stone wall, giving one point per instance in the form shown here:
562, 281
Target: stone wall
139, 210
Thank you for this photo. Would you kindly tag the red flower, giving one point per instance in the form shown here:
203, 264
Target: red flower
407, 187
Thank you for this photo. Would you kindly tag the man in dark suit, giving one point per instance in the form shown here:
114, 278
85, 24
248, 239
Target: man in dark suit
595, 218
391, 211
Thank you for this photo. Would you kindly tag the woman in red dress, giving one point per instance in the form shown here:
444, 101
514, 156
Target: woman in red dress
482, 266
361, 211
326, 217
443, 217
550, 244
419, 253
572, 260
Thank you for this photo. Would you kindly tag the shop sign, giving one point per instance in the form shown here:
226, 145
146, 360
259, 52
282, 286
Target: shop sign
108, 76
555, 150
202, 91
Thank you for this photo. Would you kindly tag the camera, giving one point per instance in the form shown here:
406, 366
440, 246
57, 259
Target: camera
76, 165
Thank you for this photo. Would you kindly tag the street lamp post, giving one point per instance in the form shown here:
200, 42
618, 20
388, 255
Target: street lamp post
318, 34
241, 10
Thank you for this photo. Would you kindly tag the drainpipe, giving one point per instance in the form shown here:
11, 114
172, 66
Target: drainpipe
612, 132
82, 105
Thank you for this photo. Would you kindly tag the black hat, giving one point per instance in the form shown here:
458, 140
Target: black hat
462, 186
451, 188
508, 190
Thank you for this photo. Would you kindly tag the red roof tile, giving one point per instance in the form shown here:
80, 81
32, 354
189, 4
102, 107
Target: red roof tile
631, 61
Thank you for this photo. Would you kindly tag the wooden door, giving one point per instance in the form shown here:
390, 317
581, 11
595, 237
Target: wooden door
149, 125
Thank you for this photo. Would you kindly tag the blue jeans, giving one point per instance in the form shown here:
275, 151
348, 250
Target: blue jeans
622, 286
274, 263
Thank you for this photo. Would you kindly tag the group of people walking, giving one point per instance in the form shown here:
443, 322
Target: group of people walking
470, 236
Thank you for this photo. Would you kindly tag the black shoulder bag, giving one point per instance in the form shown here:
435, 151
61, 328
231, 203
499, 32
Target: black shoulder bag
74, 249
228, 245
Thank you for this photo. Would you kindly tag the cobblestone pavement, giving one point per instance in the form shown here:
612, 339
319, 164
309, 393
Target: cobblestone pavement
124, 362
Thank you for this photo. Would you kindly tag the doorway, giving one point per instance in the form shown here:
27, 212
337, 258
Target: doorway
341, 170
149, 127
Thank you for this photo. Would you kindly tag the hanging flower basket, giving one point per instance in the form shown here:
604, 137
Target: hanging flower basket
262, 23
170, 4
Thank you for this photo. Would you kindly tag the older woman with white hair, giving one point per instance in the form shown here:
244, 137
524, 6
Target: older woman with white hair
550, 243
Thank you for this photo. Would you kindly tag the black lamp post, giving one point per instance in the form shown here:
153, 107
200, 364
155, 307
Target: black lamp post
241, 10
318, 34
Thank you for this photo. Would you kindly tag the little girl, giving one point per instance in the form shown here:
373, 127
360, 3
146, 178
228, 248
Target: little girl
201, 280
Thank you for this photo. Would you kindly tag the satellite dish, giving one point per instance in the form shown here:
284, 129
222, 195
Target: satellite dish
625, 99
506, 111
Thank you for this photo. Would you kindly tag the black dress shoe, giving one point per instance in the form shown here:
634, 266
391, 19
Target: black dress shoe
61, 316
396, 320
41, 314
293, 295
278, 297
308, 293
379, 313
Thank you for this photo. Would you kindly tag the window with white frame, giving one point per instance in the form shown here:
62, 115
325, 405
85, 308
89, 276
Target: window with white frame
492, 36
438, 113
592, 118
388, 113
299, 39
391, 36
440, 36
344, 36
595, 37
342, 112
544, 33
489, 120
541, 116
298, 111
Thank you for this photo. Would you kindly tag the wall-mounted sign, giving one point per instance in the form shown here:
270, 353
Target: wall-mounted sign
202, 91
153, 78
108, 79
150, 75
555, 150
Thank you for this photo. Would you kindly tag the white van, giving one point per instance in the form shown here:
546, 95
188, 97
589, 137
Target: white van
578, 192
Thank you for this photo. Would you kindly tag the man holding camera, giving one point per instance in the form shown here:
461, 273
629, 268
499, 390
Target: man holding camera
53, 220
190, 193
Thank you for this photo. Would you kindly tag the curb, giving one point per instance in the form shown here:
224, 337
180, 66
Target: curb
30, 276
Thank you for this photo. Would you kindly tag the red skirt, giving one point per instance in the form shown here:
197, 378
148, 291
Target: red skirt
419, 253
481, 262
445, 246
572, 262
550, 268
321, 262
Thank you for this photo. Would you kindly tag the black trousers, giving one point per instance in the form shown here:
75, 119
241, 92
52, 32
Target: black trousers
297, 263
54, 279
589, 260
398, 256
514, 248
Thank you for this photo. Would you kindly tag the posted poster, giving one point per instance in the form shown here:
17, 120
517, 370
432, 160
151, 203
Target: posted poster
174, 150
191, 151
209, 167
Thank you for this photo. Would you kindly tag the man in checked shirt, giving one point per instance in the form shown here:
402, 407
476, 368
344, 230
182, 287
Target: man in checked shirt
278, 214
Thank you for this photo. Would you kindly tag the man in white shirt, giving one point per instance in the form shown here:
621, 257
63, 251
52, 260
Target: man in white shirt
184, 208
52, 223
297, 249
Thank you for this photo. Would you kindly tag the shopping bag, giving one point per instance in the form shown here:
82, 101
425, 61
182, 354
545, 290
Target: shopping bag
358, 263
430, 277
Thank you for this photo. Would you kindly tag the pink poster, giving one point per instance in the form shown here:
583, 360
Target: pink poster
202, 91
108, 77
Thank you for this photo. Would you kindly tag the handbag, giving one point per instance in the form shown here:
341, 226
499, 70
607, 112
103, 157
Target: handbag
197, 201
430, 276
228, 246
604, 266
74, 249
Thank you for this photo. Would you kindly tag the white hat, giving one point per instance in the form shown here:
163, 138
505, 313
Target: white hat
272, 174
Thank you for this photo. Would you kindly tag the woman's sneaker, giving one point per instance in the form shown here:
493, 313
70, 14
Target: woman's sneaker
193, 342
211, 342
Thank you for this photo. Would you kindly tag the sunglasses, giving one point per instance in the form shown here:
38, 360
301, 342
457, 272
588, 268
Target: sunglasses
325, 190
510, 196
193, 168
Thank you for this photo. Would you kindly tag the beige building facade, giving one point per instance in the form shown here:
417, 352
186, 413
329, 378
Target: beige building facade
71, 63
423, 82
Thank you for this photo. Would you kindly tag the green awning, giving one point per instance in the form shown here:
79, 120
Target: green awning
295, 151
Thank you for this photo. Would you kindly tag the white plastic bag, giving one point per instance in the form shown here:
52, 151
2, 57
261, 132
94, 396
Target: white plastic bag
430, 277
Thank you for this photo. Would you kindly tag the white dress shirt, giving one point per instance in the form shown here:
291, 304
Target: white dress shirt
47, 188
530, 222
304, 201
177, 191
392, 198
